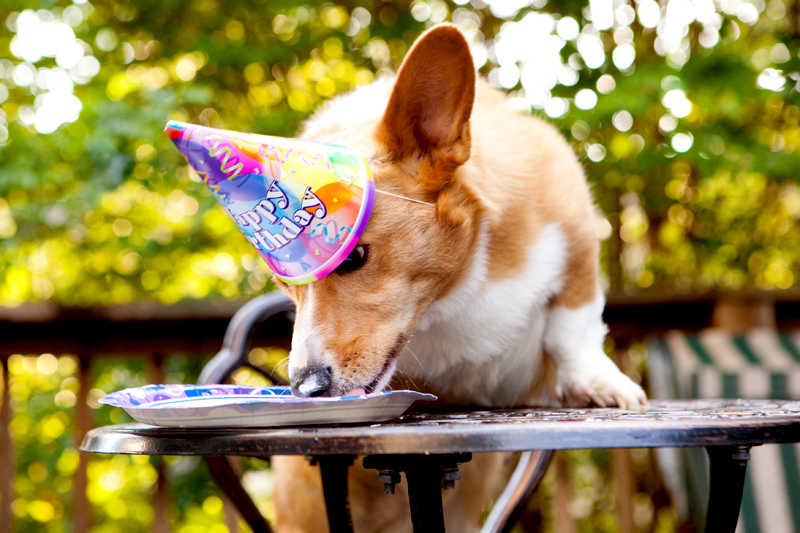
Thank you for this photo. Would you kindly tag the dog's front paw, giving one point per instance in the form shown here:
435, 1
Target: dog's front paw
598, 382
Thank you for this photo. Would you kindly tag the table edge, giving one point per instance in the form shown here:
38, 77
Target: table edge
442, 438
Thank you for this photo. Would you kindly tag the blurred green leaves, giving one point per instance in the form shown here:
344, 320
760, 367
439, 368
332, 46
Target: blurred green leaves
103, 210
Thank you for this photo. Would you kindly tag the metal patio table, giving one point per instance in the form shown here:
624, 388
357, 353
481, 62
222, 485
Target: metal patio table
428, 446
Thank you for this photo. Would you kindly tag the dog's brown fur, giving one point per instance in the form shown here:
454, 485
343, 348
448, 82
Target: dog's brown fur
450, 140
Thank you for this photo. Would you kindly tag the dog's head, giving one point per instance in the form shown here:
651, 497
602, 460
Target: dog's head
353, 324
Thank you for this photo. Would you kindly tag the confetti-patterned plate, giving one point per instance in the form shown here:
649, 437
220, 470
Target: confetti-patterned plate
238, 406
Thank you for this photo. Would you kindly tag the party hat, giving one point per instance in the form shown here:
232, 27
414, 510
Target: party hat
302, 204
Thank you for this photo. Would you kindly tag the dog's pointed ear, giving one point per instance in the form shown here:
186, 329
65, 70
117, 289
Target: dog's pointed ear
431, 103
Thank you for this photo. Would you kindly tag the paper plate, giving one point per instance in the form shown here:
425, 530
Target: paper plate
238, 406
302, 204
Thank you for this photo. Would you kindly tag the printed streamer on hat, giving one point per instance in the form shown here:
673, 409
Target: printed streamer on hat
302, 204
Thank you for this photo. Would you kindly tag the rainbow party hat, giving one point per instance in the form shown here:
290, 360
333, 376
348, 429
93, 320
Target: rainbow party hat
302, 204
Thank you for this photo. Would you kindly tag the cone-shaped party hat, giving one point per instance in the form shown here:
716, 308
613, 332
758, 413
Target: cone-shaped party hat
302, 204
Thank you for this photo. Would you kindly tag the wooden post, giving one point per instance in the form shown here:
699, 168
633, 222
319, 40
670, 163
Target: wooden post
622, 463
614, 251
7, 462
230, 514
742, 315
623, 470
83, 423
161, 500
564, 523
228, 508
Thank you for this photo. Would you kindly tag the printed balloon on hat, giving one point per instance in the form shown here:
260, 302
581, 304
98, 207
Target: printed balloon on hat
302, 204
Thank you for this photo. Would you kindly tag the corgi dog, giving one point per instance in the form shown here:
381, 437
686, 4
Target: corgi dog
467, 297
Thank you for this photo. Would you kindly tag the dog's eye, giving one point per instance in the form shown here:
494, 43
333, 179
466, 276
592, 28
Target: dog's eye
355, 260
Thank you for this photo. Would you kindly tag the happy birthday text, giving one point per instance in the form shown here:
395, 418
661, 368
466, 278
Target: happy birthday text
292, 227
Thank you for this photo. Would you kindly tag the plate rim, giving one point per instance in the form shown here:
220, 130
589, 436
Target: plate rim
252, 398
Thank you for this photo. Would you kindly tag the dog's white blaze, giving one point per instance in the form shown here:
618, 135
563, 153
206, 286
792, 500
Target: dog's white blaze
303, 334
483, 343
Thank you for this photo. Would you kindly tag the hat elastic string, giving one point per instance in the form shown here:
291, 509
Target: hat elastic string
405, 198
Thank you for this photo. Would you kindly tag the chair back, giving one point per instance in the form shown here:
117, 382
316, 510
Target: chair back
714, 363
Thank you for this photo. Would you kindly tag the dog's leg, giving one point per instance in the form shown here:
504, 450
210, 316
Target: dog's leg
297, 493
574, 339
300, 505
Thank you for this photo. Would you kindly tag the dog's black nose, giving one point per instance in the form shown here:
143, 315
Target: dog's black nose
317, 383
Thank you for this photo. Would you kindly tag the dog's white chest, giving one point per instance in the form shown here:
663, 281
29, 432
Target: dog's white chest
483, 342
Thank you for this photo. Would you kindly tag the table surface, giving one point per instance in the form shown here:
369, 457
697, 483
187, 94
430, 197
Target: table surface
661, 424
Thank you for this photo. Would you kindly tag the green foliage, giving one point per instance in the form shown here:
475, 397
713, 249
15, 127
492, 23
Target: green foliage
722, 213
103, 209
42, 429
43, 393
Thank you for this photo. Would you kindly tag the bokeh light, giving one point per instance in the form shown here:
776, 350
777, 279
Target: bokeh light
39, 35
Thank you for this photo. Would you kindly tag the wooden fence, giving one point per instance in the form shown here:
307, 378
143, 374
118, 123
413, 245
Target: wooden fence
151, 331
141, 330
